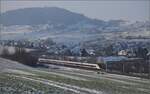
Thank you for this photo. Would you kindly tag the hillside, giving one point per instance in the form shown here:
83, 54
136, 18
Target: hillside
54, 19
8, 64
36, 16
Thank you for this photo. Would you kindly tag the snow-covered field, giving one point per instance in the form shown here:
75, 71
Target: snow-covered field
27, 32
20, 79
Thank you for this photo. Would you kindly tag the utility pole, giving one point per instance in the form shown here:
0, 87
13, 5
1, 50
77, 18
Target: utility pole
149, 66
106, 66
0, 21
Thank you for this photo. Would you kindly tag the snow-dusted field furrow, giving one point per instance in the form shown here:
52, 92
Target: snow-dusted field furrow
75, 89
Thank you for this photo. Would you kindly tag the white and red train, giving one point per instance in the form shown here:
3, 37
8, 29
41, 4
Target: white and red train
70, 64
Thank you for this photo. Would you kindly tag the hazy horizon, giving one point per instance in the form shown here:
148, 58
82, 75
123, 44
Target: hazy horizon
102, 10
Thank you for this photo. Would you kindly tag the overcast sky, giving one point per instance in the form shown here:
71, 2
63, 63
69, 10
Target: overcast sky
128, 10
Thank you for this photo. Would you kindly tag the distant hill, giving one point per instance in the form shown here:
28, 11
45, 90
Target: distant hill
35, 16
64, 20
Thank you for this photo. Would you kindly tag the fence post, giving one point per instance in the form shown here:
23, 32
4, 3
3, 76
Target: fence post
123, 68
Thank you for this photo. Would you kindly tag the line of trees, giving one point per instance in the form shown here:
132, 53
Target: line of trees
21, 56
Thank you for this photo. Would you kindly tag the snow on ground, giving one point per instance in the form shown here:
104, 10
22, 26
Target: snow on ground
76, 80
17, 71
73, 88
9, 64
